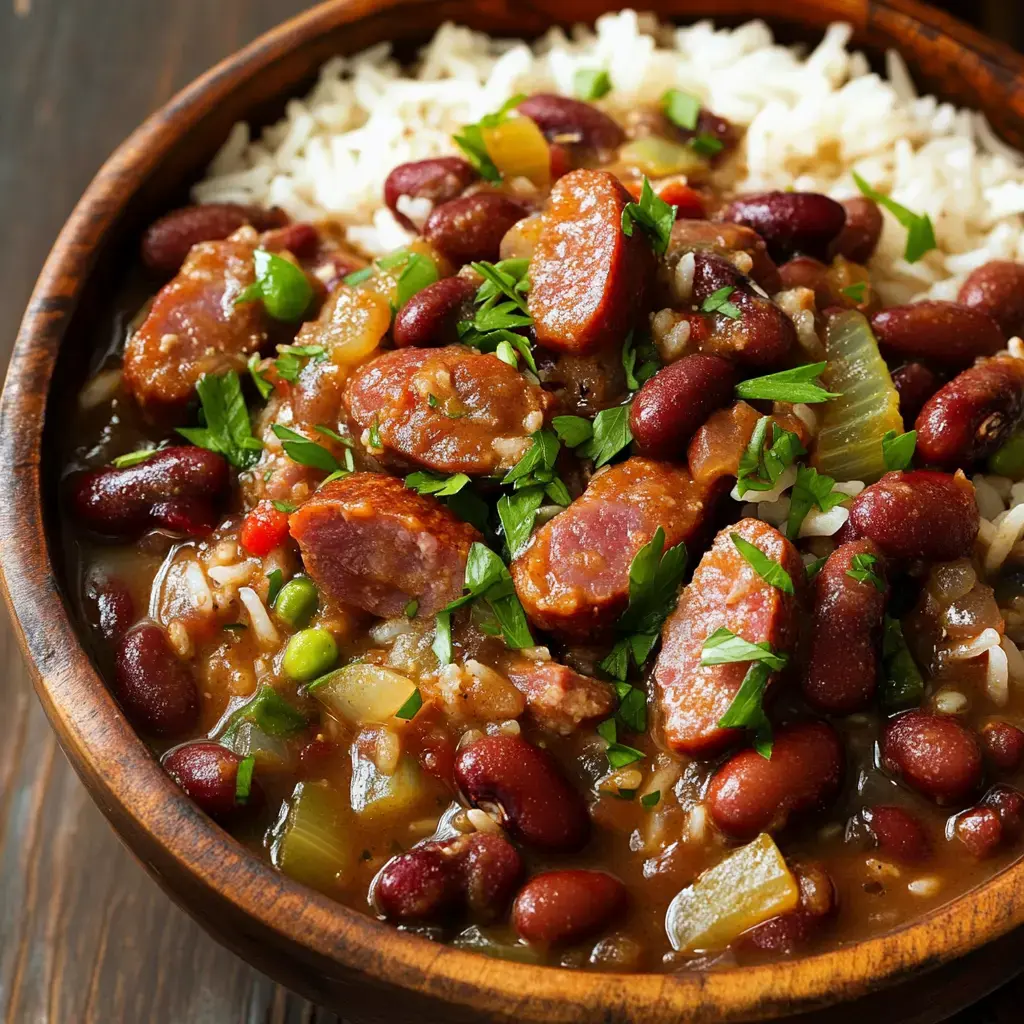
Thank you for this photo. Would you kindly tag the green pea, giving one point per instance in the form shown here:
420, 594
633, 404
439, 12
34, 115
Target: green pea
283, 287
310, 653
1009, 460
297, 601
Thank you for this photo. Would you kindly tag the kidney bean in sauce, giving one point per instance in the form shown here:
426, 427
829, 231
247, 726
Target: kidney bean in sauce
860, 234
997, 288
430, 317
933, 754
208, 772
559, 907
471, 228
1003, 744
948, 333
437, 180
898, 833
572, 122
790, 222
915, 383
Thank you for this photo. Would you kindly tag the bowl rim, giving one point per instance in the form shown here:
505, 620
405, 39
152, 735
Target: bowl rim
126, 780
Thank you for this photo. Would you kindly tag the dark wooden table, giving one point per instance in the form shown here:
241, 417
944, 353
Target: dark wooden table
85, 935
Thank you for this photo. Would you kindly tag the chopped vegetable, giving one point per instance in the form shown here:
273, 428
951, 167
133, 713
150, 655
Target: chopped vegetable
473, 144
920, 233
855, 291
269, 712
718, 302
590, 84
281, 285
723, 646
297, 602
637, 376
408, 710
363, 693
518, 149
898, 449
243, 779
796, 385
315, 844
849, 443
747, 708
130, 459
681, 109
811, 489
1009, 459
656, 157
863, 572
227, 431
263, 529
263, 386
902, 684
309, 654
305, 452
652, 215
748, 886
760, 467
275, 579
377, 797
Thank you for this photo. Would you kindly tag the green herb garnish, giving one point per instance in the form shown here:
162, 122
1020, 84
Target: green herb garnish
410, 610
796, 385
863, 572
589, 84
649, 800
650, 364
243, 779
227, 429
761, 467
767, 568
282, 286
898, 449
652, 215
426, 482
811, 489
130, 459
920, 233
263, 386
747, 708
681, 109
723, 647
471, 141
408, 710
902, 684
718, 302
305, 452
855, 291
275, 579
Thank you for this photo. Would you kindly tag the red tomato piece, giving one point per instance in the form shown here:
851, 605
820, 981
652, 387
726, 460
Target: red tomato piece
687, 201
264, 529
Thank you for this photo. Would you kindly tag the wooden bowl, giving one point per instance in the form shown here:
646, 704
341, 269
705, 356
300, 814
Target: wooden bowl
367, 970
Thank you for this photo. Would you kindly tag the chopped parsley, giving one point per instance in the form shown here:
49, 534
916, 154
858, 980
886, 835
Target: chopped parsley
811, 569
426, 482
920, 233
130, 459
812, 489
275, 579
898, 449
472, 144
863, 571
292, 358
418, 272
855, 291
902, 684
308, 453
760, 467
408, 710
410, 610
358, 276
243, 779
611, 434
706, 145
681, 109
796, 385
227, 430
723, 647
282, 286
501, 311
618, 754
718, 302
767, 568
284, 506
647, 354
652, 215
263, 386
591, 84
572, 431
652, 799
747, 708
518, 513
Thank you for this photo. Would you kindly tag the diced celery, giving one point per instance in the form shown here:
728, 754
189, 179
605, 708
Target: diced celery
362, 693
849, 443
657, 157
375, 796
749, 886
316, 845
248, 740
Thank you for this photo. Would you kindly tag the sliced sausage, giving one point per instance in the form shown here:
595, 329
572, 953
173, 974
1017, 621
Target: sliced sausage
725, 239
725, 592
558, 699
194, 326
918, 514
751, 794
367, 540
846, 634
971, 416
589, 281
573, 576
451, 409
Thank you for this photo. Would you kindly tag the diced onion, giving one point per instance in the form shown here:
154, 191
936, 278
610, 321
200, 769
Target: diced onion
1007, 533
975, 647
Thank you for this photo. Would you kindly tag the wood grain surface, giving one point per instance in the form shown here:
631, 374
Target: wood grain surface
85, 935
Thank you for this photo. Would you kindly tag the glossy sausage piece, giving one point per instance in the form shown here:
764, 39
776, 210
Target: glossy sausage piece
526, 786
438, 180
971, 416
997, 288
559, 907
194, 326
369, 541
918, 514
946, 332
725, 592
751, 794
846, 633
588, 282
573, 577
473, 874
451, 409
790, 222
559, 699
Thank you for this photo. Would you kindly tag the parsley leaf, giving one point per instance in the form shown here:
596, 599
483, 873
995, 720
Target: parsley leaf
275, 579
724, 647
761, 467
281, 285
472, 144
855, 291
681, 109
747, 708
767, 568
813, 568
920, 233
418, 273
130, 459
538, 462
263, 386
636, 376
811, 489
649, 800
718, 302
227, 429
706, 144
590, 84
426, 482
573, 430
902, 684
410, 610
305, 452
898, 449
652, 215
796, 385
611, 434
243, 779
632, 710
518, 513
618, 754
290, 362
501, 310
358, 276
863, 572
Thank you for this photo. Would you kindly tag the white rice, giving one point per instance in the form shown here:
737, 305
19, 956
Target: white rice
810, 119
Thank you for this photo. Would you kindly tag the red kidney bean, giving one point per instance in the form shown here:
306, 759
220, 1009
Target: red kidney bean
430, 317
948, 333
1009, 805
676, 401
805, 272
898, 833
208, 773
569, 121
177, 488
842, 670
720, 238
789, 932
861, 232
751, 794
439, 179
790, 222
538, 804
997, 288
933, 754
915, 383
114, 609
153, 686
1004, 745
434, 881
167, 241
761, 336
300, 239
560, 907
971, 416
918, 514
471, 227
980, 830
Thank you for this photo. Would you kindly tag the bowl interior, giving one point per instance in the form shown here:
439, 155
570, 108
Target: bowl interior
259, 912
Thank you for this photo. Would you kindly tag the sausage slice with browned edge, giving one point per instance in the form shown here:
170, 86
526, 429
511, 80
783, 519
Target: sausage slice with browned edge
573, 577
589, 282
369, 541
195, 327
725, 592
451, 409
559, 699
